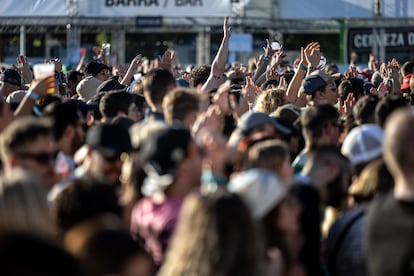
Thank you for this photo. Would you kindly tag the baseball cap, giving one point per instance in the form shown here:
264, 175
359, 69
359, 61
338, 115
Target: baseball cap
316, 80
111, 85
261, 189
250, 120
363, 144
11, 76
109, 139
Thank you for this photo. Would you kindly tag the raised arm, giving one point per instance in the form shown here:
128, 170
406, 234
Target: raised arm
131, 70
308, 60
218, 66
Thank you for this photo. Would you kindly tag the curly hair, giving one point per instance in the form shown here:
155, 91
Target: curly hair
269, 100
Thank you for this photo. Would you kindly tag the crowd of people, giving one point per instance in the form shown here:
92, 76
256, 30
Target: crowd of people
276, 167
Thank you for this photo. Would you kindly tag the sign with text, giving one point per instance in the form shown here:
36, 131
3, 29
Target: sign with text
171, 8
149, 21
398, 42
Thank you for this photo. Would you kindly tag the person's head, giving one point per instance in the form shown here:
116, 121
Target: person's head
10, 81
364, 109
320, 125
407, 68
111, 85
330, 173
269, 100
398, 135
273, 155
137, 110
181, 105
68, 125
386, 106
374, 179
84, 198
114, 104
98, 70
73, 77
172, 162
25, 254
215, 236
252, 123
103, 249
362, 145
29, 143
23, 204
109, 146
320, 88
352, 85
199, 75
156, 84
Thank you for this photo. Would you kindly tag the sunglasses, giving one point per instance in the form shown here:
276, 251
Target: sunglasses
41, 158
114, 158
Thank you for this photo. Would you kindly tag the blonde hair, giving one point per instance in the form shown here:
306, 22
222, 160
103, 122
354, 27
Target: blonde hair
269, 100
23, 204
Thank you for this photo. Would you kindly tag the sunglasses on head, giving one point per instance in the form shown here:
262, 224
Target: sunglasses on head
41, 157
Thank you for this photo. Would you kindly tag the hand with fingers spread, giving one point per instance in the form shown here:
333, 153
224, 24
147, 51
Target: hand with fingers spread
23, 68
313, 54
278, 57
283, 83
268, 50
381, 91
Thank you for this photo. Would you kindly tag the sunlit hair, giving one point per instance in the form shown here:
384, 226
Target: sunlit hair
268, 154
23, 204
269, 100
215, 236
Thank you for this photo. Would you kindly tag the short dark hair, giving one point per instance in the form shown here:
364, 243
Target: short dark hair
200, 74
114, 102
72, 76
62, 115
315, 118
388, 105
85, 198
22, 131
155, 85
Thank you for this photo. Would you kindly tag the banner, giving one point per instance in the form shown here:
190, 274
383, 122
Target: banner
398, 43
33, 8
165, 8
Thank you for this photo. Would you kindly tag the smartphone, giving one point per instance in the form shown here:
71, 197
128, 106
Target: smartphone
275, 45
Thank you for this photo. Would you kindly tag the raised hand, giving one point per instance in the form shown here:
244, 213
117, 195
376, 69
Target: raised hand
226, 28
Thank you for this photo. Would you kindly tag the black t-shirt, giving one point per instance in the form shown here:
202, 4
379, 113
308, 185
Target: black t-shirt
390, 236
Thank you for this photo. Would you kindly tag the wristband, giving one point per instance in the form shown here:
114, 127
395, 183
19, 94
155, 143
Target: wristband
266, 58
302, 66
33, 95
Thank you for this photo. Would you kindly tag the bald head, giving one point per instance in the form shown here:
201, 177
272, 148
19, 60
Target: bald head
398, 139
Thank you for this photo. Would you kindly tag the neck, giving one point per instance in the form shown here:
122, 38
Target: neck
404, 188
65, 147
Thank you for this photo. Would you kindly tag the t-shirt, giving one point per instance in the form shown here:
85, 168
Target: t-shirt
390, 236
155, 223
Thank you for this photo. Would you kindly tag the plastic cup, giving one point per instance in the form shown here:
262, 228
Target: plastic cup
43, 70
